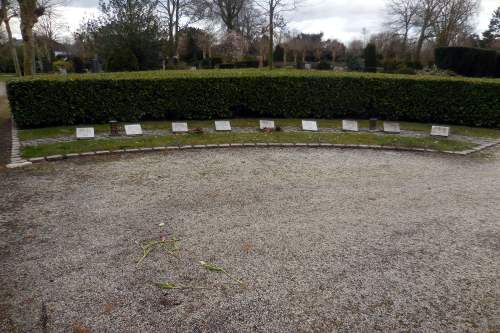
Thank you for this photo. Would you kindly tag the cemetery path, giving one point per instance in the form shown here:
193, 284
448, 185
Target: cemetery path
324, 240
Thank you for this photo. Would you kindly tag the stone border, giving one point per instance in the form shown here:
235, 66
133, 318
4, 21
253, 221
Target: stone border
254, 145
16, 161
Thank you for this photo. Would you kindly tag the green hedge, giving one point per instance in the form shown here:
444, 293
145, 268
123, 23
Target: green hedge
127, 97
467, 61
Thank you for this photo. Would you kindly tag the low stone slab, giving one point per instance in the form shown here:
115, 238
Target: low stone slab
179, 127
443, 131
133, 129
309, 125
266, 124
391, 127
85, 133
18, 165
222, 126
350, 125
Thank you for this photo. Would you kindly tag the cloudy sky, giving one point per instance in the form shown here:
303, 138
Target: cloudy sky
342, 19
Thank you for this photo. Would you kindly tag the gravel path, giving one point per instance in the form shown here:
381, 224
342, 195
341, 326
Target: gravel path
325, 240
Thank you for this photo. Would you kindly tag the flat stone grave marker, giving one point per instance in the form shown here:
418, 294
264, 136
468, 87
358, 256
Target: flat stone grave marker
85, 133
440, 131
350, 125
308, 67
309, 125
222, 125
133, 129
391, 127
267, 124
179, 127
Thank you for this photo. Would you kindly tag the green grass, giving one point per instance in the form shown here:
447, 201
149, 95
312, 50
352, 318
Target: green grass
215, 138
52, 132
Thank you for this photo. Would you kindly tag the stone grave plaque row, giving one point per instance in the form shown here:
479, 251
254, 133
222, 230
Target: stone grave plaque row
222, 126
350, 125
85, 133
267, 124
440, 131
309, 125
133, 129
391, 127
179, 127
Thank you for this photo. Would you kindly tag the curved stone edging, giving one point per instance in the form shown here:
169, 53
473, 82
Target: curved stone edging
16, 161
240, 145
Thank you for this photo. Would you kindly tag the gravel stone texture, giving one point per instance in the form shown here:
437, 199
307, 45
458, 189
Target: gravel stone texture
324, 240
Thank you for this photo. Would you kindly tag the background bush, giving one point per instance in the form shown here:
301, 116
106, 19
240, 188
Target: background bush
97, 98
467, 61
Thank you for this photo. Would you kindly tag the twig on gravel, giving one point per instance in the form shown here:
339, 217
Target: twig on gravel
216, 268
168, 245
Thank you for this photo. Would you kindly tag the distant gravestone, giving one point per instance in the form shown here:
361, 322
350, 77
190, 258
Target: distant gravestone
308, 67
440, 131
180, 127
85, 133
134, 129
309, 125
391, 127
193, 68
222, 125
350, 125
267, 124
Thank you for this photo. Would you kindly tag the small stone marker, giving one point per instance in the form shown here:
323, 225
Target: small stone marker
350, 125
134, 129
440, 131
222, 125
391, 127
85, 133
309, 125
181, 127
267, 124
308, 67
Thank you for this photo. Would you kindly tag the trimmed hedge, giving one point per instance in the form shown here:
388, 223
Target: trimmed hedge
467, 61
127, 97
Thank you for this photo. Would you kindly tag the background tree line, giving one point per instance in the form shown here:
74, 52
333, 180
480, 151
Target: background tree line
155, 34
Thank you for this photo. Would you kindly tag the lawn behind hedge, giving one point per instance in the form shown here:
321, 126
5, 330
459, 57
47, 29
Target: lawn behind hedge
215, 94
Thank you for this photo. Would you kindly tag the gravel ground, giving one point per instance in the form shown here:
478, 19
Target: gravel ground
324, 240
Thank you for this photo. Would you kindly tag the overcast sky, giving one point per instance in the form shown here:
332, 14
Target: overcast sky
341, 19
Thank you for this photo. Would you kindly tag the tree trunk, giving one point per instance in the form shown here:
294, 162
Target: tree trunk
13, 50
29, 17
284, 57
421, 40
271, 36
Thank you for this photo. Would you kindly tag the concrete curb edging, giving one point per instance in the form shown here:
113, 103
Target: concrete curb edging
16, 161
253, 145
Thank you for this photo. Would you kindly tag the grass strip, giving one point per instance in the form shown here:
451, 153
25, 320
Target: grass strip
219, 138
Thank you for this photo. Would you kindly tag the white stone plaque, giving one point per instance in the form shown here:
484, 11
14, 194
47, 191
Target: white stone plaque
85, 133
134, 129
267, 124
309, 125
350, 125
181, 127
391, 127
440, 131
222, 125
308, 67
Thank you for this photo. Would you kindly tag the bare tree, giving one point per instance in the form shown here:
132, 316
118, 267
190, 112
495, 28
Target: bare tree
274, 10
7, 12
402, 15
427, 13
454, 21
227, 11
